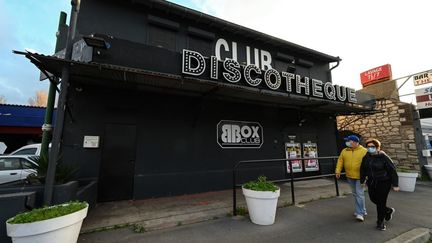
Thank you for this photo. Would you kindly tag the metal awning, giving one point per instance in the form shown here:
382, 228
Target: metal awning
115, 75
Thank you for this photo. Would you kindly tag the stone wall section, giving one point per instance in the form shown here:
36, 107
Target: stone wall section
393, 127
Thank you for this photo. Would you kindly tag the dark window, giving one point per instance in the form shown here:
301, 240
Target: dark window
26, 151
281, 66
200, 45
161, 37
10, 164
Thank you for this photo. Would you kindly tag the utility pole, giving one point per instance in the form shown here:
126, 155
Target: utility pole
47, 126
61, 107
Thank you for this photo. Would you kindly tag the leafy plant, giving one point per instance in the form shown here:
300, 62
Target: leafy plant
261, 185
63, 173
137, 228
405, 170
47, 213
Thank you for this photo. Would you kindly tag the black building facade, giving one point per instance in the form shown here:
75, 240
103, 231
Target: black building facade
179, 97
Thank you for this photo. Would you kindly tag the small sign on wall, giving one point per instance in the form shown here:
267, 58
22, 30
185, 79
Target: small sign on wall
91, 142
239, 134
310, 150
292, 151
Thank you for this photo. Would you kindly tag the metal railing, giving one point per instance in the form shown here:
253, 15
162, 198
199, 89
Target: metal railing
291, 179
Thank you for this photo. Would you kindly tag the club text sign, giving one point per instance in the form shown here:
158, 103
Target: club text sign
230, 70
239, 134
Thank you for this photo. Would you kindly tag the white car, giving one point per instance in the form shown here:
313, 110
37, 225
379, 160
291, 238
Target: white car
14, 168
31, 149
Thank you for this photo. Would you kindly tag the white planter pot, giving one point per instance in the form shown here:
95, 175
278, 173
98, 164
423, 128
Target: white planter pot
429, 170
407, 181
63, 229
261, 205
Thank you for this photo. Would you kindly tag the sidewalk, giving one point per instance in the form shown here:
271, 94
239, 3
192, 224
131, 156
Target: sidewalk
328, 220
161, 213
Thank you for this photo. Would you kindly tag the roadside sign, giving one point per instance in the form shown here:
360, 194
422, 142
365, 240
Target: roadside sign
376, 75
423, 78
424, 97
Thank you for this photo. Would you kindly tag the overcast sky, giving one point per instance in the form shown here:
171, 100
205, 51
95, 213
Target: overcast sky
364, 34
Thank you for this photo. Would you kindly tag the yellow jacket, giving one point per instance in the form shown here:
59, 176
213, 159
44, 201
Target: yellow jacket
351, 160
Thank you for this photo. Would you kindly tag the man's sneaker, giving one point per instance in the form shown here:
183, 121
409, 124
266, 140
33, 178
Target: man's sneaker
365, 214
381, 226
389, 214
360, 218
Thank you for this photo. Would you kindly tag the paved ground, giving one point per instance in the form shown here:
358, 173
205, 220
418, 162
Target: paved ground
326, 220
167, 212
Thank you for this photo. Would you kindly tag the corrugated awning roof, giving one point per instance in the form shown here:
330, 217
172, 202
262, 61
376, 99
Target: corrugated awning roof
114, 75
21, 116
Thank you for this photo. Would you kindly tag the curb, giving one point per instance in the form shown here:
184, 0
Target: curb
417, 235
166, 222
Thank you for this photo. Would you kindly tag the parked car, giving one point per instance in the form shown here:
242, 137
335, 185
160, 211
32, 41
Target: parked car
31, 149
15, 168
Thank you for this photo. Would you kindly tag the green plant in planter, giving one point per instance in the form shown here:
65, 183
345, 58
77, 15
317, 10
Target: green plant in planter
45, 213
63, 174
261, 185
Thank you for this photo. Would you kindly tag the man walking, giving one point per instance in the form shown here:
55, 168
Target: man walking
351, 159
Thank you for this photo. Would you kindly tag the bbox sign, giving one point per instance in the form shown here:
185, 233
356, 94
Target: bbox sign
239, 134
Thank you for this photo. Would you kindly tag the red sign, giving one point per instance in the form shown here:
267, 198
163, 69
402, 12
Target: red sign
376, 75
424, 98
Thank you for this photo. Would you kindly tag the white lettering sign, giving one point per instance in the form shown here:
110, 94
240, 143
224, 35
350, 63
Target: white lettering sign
195, 64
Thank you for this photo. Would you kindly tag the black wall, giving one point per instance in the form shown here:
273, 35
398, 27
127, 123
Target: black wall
177, 151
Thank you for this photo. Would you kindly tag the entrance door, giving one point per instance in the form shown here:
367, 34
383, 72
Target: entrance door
116, 176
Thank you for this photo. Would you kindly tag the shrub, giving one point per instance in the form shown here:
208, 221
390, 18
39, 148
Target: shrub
63, 173
44, 213
261, 185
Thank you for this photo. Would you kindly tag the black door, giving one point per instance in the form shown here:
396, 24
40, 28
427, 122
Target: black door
118, 162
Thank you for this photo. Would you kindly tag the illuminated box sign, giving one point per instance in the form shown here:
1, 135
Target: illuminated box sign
376, 75
423, 78
239, 134
260, 75
424, 98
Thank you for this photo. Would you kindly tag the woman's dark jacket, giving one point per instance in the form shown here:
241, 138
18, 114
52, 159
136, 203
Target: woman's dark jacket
377, 168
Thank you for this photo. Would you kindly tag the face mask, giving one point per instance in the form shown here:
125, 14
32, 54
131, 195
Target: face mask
348, 144
371, 150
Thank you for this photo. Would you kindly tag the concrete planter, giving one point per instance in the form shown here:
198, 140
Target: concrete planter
407, 181
429, 170
261, 205
63, 229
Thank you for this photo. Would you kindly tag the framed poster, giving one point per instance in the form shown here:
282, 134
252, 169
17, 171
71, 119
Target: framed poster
293, 151
310, 150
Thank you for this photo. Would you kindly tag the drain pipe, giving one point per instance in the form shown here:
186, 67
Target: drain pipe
329, 71
47, 126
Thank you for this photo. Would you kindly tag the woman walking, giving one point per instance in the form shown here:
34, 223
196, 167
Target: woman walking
379, 172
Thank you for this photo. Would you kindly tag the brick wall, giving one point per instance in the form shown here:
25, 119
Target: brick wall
393, 126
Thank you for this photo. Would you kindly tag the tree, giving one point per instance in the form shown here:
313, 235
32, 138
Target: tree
3, 99
40, 99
